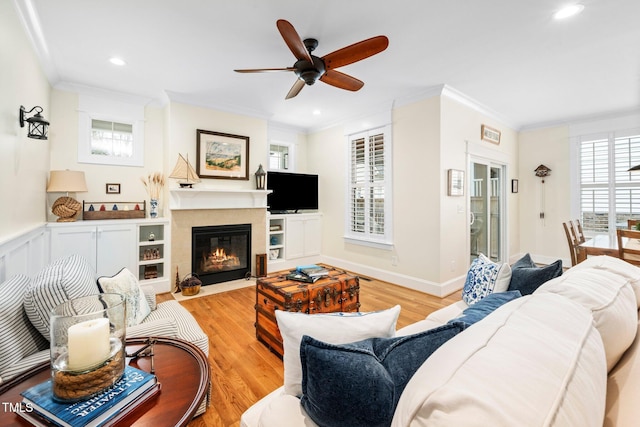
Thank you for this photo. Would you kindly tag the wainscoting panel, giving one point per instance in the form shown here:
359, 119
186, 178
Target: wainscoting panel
25, 253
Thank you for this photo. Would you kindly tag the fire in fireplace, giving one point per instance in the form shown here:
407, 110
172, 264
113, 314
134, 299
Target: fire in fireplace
221, 253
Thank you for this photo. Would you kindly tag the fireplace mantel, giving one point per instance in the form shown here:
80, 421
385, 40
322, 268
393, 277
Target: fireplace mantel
208, 198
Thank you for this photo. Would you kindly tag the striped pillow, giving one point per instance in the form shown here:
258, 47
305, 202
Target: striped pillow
19, 338
62, 280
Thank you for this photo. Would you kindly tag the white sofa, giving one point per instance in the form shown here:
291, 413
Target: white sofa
567, 355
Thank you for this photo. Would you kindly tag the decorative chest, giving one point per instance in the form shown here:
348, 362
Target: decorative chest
338, 292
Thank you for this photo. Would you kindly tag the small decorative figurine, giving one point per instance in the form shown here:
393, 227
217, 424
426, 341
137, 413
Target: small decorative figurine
152, 237
103, 208
91, 208
137, 208
114, 208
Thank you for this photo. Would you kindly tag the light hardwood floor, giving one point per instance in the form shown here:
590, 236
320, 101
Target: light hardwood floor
243, 370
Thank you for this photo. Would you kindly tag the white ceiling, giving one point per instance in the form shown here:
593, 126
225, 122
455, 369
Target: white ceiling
509, 56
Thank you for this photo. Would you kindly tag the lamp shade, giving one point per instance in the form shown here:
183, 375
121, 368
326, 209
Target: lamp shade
66, 181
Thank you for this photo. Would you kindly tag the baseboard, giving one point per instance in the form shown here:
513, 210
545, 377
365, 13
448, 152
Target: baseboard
422, 285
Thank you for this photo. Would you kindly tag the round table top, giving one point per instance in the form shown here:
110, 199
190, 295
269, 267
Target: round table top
182, 370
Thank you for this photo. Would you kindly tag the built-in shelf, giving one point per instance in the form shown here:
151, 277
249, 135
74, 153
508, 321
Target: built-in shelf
207, 198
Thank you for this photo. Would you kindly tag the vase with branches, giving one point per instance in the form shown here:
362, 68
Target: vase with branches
154, 183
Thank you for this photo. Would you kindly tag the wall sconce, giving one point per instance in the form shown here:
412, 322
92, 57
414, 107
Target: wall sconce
542, 172
37, 124
261, 176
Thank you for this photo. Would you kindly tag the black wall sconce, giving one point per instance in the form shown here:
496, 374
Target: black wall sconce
38, 126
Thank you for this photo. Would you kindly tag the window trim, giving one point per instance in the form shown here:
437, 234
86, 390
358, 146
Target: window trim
95, 108
385, 241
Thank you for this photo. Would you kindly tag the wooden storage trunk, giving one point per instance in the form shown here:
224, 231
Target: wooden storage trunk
339, 291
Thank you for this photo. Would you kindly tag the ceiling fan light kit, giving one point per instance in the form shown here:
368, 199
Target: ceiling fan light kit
310, 68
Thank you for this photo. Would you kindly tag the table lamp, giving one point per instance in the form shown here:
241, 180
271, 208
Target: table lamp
66, 208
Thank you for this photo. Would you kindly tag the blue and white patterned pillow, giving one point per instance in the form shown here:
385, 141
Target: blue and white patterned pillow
485, 277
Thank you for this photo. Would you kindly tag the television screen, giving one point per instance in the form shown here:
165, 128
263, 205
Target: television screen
292, 191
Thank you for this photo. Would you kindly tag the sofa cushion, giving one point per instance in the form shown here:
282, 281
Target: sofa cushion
526, 277
62, 280
610, 299
334, 328
126, 283
485, 306
359, 384
616, 266
19, 338
623, 389
188, 328
484, 277
537, 360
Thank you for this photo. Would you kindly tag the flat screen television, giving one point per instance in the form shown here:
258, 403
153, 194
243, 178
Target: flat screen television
292, 192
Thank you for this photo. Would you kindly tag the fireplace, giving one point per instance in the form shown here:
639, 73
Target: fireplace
221, 253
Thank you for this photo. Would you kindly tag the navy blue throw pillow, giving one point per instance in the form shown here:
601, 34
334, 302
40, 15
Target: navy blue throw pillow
526, 277
478, 311
359, 384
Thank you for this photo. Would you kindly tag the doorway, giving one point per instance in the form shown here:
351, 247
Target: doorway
486, 207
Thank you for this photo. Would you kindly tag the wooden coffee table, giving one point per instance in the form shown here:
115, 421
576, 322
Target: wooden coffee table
181, 368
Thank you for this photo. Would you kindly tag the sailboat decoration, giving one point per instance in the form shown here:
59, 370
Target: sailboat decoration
184, 171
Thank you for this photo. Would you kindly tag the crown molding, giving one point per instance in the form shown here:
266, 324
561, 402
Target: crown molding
31, 23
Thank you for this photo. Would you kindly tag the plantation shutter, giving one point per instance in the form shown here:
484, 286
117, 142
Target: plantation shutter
609, 193
369, 186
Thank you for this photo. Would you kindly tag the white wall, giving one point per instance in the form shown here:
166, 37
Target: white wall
545, 239
185, 119
24, 162
429, 228
64, 154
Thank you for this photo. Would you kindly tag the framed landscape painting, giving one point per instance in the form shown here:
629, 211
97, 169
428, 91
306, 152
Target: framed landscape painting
222, 155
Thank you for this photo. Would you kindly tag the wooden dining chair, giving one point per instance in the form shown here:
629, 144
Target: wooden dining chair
579, 234
631, 223
578, 253
630, 250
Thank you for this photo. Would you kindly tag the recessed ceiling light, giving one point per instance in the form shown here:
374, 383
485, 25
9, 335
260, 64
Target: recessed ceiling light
317, 112
568, 11
117, 61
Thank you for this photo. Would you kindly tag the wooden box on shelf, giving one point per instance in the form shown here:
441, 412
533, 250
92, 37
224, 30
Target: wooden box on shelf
125, 210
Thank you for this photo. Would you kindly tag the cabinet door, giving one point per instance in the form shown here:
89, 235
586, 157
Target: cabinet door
294, 236
116, 249
312, 236
72, 240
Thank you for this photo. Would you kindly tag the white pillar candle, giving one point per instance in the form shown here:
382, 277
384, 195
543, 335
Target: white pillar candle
88, 344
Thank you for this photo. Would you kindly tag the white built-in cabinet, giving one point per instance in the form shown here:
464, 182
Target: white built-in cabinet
293, 239
142, 246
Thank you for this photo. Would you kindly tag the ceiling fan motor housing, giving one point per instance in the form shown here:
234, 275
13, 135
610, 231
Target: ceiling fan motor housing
309, 72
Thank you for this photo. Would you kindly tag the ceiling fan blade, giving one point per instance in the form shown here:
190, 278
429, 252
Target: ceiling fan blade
295, 89
264, 70
293, 40
341, 80
355, 52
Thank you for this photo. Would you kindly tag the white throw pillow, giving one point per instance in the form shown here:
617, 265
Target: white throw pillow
485, 277
333, 328
125, 283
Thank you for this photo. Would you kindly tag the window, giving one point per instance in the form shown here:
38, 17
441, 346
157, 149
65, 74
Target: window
110, 132
609, 193
111, 139
369, 192
278, 157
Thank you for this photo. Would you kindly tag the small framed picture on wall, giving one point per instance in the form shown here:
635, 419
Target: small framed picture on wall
113, 188
456, 182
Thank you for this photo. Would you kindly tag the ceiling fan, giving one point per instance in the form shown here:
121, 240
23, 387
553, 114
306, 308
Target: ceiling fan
310, 68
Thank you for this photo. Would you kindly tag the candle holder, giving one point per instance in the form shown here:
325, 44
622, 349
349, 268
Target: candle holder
87, 346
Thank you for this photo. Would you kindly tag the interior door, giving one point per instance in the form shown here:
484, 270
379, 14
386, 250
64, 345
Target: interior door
486, 207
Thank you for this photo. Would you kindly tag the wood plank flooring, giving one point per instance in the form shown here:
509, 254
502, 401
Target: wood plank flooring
243, 370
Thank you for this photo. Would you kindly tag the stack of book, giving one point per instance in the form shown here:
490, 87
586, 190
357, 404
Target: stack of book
105, 409
308, 273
